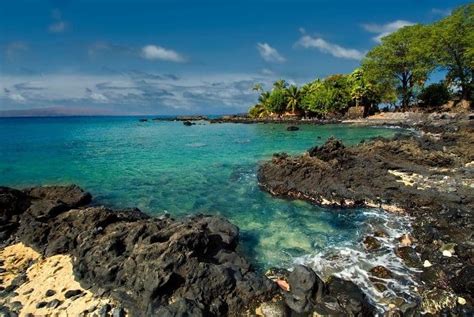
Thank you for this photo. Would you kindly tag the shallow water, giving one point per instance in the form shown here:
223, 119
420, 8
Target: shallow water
207, 168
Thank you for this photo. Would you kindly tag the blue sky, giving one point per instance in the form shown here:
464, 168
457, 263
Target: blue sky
167, 57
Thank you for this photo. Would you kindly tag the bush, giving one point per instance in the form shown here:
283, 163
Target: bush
434, 95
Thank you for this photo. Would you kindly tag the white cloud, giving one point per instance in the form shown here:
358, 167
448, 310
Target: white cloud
335, 50
154, 52
269, 54
16, 97
97, 96
133, 92
383, 30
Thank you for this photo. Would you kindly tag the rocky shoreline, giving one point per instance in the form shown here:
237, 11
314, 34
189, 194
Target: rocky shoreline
428, 175
122, 262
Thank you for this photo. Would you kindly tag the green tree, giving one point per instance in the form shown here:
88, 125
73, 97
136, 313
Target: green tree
261, 108
434, 95
330, 95
403, 61
280, 84
293, 98
453, 45
258, 87
277, 101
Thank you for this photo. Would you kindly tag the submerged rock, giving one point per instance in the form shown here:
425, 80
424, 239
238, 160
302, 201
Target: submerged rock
371, 243
292, 128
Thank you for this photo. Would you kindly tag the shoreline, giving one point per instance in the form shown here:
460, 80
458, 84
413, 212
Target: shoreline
428, 175
42, 217
147, 266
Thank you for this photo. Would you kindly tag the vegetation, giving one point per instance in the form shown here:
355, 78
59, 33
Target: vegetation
402, 60
394, 72
434, 95
453, 45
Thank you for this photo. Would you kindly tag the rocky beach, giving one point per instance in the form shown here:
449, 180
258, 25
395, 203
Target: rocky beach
427, 175
62, 254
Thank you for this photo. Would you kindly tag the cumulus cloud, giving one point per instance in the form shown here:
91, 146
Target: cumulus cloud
324, 46
383, 30
154, 52
133, 92
16, 97
96, 96
269, 54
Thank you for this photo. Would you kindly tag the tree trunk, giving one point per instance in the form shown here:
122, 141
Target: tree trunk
405, 96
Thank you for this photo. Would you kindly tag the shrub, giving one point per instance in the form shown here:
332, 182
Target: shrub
434, 95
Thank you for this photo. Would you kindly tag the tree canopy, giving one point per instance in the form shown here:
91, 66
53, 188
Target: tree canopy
394, 71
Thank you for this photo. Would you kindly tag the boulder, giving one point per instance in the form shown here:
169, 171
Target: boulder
305, 288
351, 300
146, 264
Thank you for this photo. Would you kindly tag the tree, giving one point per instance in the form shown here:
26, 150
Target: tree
261, 108
258, 111
453, 45
434, 95
277, 101
365, 93
280, 84
258, 87
331, 95
403, 61
293, 98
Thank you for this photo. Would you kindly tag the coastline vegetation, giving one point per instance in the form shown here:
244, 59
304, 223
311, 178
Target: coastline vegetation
393, 73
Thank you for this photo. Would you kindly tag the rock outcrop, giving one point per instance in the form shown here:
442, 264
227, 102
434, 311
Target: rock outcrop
149, 265
430, 176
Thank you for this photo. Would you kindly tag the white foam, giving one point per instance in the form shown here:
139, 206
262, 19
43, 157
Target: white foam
353, 262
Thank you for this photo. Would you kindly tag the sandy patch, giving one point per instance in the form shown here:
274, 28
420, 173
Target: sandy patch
16, 259
49, 280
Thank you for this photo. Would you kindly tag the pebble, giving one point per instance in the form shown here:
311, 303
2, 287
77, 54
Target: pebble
50, 293
427, 263
447, 253
54, 303
72, 293
41, 304
461, 301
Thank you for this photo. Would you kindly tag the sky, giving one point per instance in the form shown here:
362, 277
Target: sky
184, 57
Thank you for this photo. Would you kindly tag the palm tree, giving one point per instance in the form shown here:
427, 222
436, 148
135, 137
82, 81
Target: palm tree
258, 87
293, 97
280, 84
263, 98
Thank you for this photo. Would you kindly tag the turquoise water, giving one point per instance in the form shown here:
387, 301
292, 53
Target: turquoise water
167, 167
